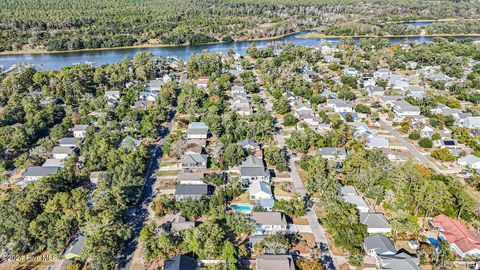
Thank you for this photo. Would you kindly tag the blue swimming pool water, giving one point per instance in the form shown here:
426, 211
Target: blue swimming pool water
242, 208
434, 242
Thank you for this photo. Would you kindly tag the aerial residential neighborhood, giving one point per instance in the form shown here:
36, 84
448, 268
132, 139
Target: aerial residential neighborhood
358, 154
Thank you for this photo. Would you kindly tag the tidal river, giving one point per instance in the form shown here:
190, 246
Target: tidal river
53, 61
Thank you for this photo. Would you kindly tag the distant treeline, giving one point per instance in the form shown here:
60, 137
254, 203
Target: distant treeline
73, 24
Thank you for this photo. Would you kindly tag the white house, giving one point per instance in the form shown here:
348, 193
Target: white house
470, 161
472, 122
339, 105
376, 223
403, 109
35, 173
377, 142
359, 202
61, 152
79, 131
260, 190
197, 130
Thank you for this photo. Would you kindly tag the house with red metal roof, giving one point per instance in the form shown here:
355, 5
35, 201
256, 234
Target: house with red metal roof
461, 240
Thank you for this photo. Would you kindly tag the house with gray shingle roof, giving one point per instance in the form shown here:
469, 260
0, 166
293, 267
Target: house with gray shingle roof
401, 260
375, 222
336, 153
190, 191
378, 244
274, 262
61, 152
260, 190
252, 169
35, 173
194, 161
269, 223
197, 130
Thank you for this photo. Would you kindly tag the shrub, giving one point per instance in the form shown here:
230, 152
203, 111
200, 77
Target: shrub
425, 143
436, 136
414, 136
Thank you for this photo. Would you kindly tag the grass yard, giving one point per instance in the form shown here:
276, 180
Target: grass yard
168, 173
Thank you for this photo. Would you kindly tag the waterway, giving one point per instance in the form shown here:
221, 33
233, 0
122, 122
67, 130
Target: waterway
53, 61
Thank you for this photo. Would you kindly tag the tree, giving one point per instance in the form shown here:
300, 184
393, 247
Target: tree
274, 155
233, 154
436, 136
310, 264
294, 207
443, 154
144, 66
281, 106
289, 120
414, 136
425, 143
276, 243
363, 109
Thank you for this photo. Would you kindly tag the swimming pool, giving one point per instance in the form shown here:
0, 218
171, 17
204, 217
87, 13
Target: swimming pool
434, 242
243, 208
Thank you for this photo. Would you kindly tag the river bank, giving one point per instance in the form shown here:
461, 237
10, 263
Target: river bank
141, 46
319, 35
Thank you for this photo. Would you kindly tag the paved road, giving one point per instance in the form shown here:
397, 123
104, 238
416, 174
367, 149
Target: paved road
136, 217
416, 154
315, 226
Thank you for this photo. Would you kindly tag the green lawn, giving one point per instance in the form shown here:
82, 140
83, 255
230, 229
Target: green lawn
168, 173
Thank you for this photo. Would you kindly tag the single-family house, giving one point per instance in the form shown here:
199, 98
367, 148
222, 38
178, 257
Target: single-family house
260, 190
194, 161
333, 153
382, 73
96, 176
389, 100
269, 223
274, 262
252, 169
350, 71
359, 203
190, 178
375, 91
61, 152
375, 222
130, 143
154, 85
112, 98
180, 223
202, 82
348, 191
339, 105
35, 173
54, 162
378, 244
180, 262
197, 130
403, 109
191, 191
459, 237
68, 142
427, 132
249, 144
401, 260
377, 142
74, 249
265, 204
470, 161
472, 122
79, 131
446, 143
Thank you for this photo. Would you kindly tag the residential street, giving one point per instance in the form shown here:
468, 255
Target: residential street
418, 156
315, 226
137, 216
